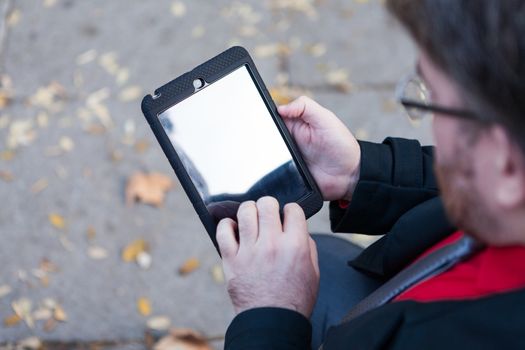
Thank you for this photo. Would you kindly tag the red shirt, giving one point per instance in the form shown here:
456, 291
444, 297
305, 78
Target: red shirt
492, 270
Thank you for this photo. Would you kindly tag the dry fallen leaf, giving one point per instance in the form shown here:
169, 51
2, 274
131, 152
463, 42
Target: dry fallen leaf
122, 76
59, 314
13, 18
132, 250
22, 307
97, 253
42, 314
305, 6
7, 176
217, 273
316, 50
57, 221
285, 94
5, 290
39, 185
241, 12
339, 79
50, 97
144, 306
182, 339
178, 9
147, 188
269, 50
66, 143
108, 61
49, 3
159, 323
47, 266
31, 343
91, 233
12, 320
189, 266
280, 95
130, 93
5, 98
49, 303
21, 133
86, 57
7, 155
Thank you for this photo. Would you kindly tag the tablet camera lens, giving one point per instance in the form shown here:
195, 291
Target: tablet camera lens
198, 83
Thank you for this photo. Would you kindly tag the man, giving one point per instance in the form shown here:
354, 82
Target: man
471, 76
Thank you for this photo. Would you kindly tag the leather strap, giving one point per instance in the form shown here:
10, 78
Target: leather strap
428, 266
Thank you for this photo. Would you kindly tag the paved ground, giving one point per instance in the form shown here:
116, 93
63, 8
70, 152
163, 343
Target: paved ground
77, 158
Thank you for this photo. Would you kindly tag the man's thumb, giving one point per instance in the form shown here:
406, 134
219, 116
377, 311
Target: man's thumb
304, 108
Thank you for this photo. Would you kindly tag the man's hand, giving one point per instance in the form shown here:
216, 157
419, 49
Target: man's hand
329, 149
270, 264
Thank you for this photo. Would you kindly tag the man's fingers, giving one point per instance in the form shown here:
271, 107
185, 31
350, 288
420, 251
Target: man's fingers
314, 256
294, 219
225, 237
269, 219
248, 223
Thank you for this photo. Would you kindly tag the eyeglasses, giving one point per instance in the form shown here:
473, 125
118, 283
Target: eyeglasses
414, 95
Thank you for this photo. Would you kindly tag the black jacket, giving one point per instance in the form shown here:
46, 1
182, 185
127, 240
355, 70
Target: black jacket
396, 195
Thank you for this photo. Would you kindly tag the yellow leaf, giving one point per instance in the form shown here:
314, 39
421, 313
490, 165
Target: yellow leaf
59, 314
189, 266
281, 96
183, 339
144, 306
148, 188
7, 155
132, 250
12, 320
5, 99
57, 221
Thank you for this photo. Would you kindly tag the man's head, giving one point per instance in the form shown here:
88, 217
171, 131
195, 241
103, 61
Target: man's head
472, 57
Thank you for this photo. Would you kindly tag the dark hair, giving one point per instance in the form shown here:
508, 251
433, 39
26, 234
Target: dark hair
480, 44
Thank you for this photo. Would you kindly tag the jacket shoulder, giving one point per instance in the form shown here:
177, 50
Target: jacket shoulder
492, 322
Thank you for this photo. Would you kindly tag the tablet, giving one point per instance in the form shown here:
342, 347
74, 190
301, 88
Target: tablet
221, 133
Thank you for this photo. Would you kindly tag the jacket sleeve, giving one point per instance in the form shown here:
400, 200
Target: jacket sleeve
268, 328
396, 176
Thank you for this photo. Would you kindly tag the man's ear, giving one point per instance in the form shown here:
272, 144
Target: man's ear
510, 170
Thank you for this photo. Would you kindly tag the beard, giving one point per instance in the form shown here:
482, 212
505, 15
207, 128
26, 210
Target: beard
463, 202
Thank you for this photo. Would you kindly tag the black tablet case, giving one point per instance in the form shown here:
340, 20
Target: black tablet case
182, 87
